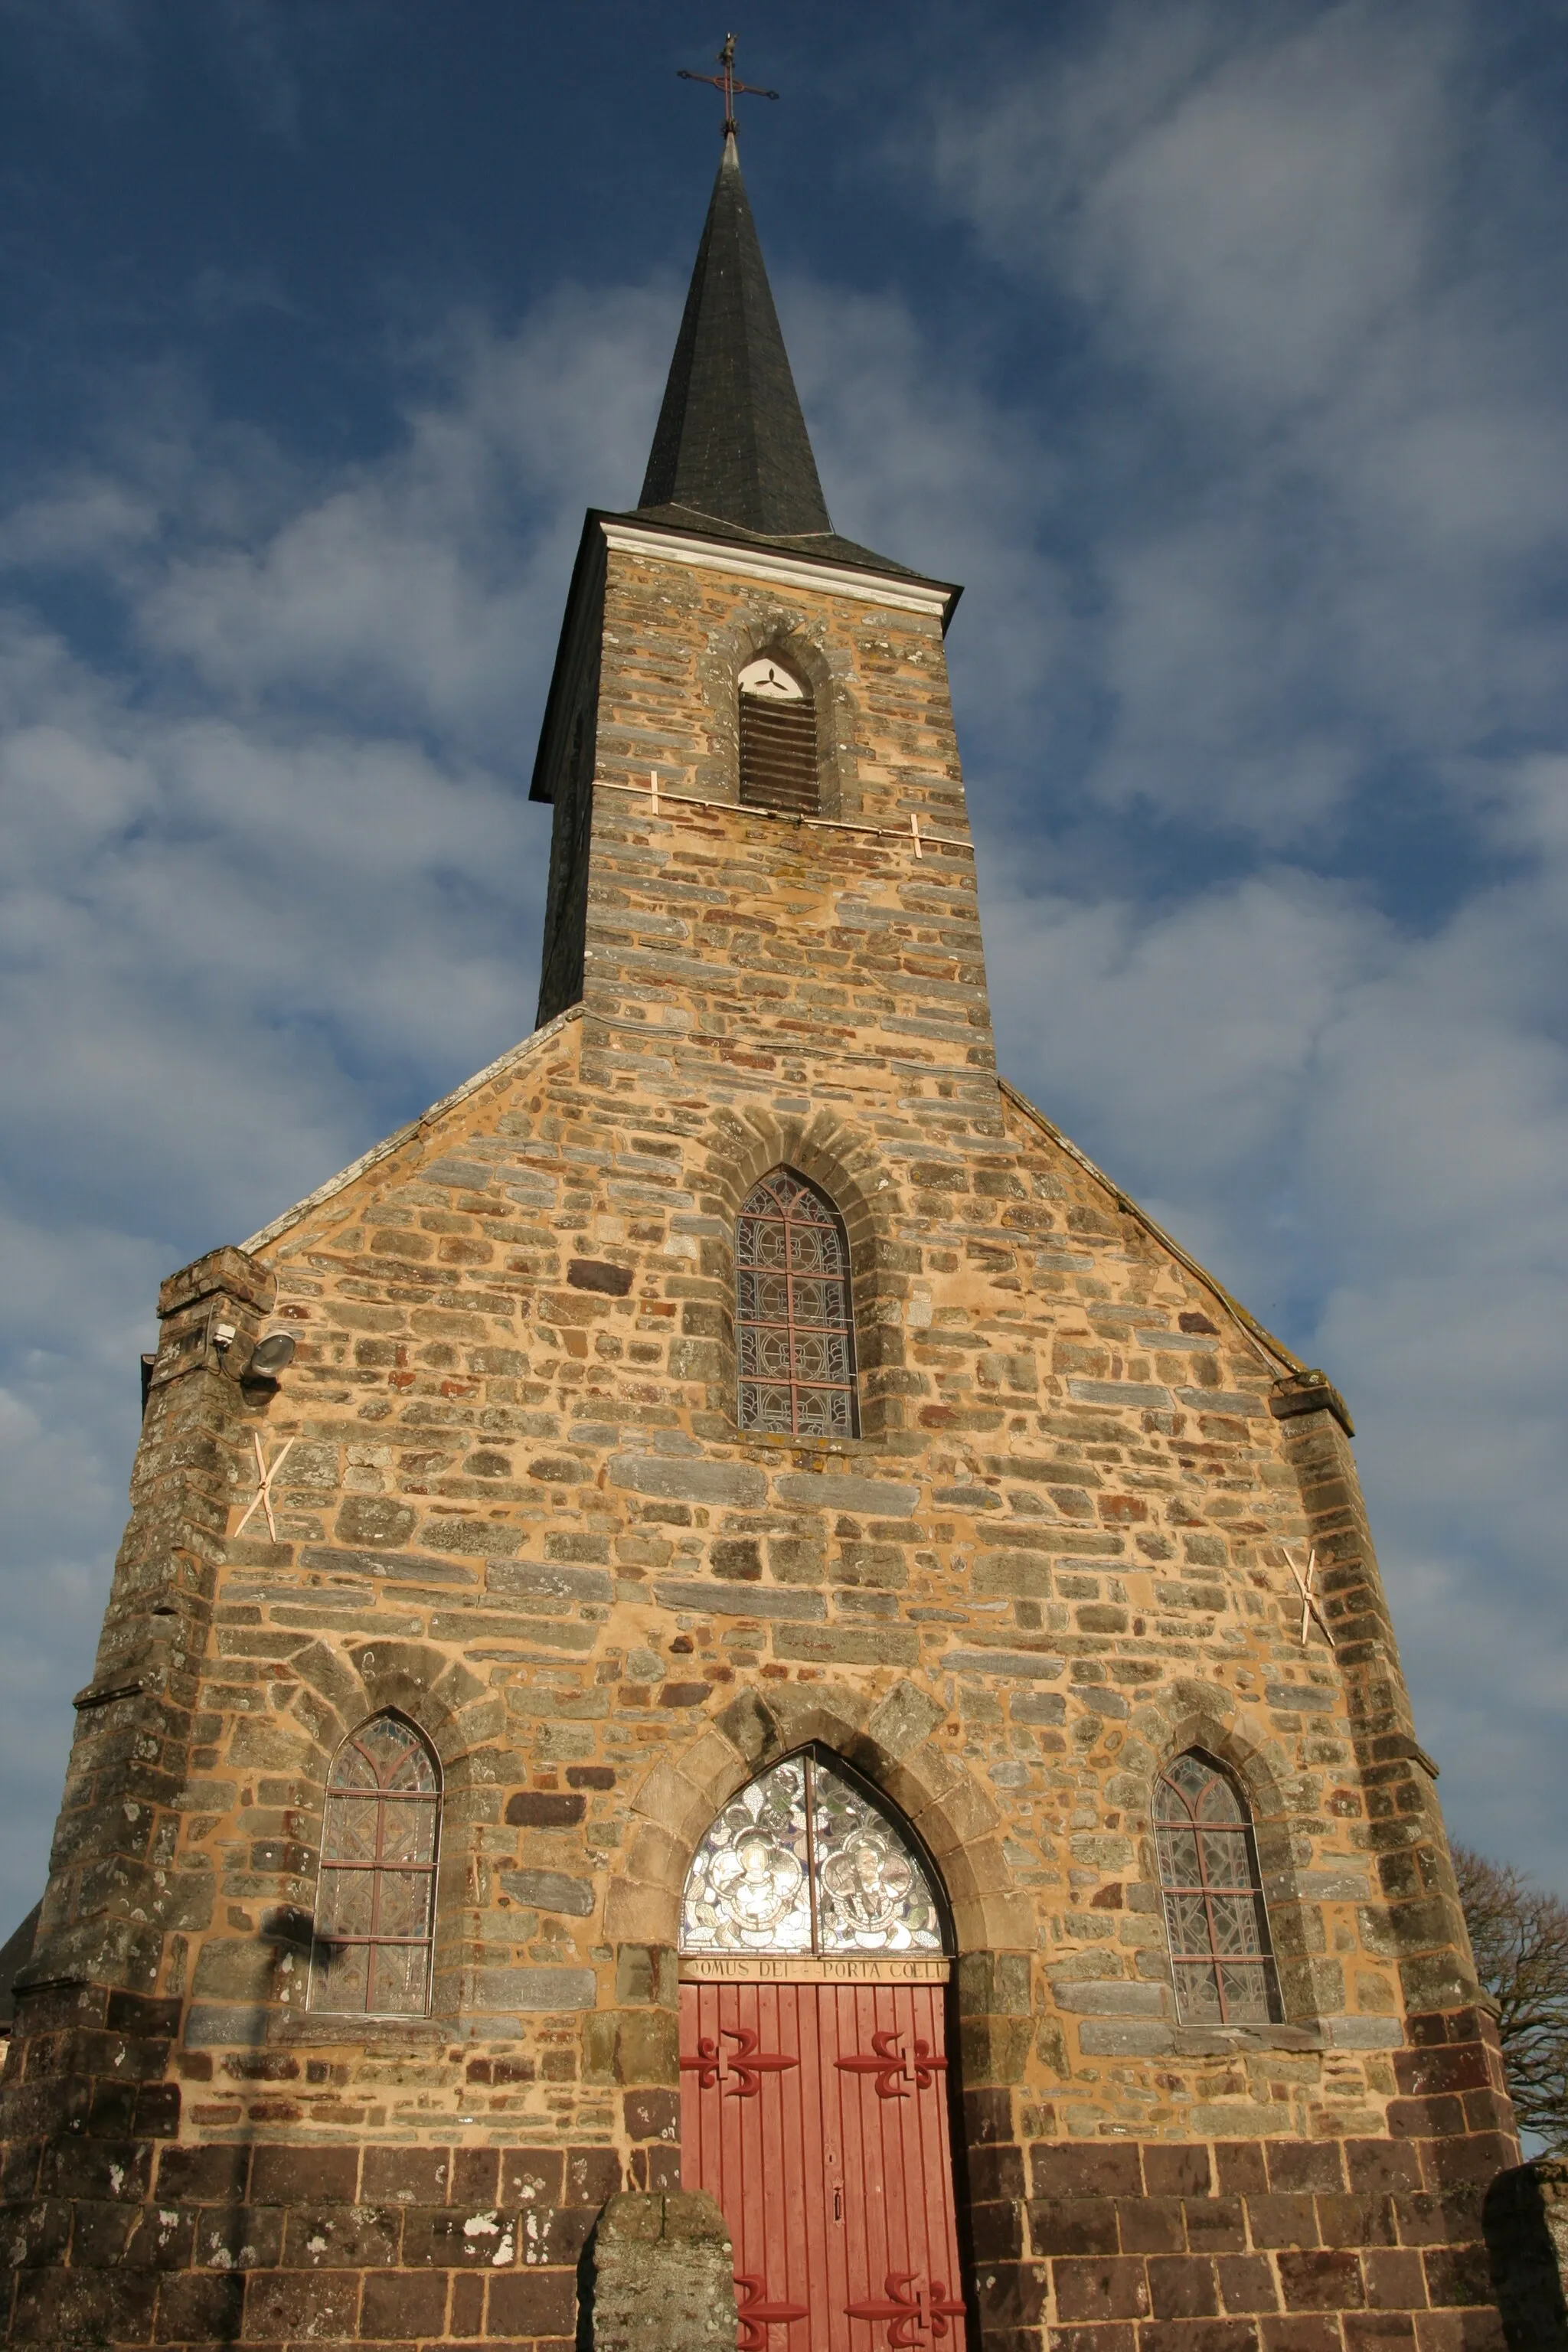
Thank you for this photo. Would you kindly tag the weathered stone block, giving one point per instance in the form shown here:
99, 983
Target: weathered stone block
662, 2276
690, 1481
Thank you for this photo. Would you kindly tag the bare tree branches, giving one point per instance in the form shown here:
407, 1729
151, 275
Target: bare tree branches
1519, 1936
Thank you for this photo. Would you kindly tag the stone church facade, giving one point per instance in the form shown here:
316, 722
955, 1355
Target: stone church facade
549, 1539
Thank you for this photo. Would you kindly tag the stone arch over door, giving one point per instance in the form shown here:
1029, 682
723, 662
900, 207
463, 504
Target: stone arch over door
889, 1738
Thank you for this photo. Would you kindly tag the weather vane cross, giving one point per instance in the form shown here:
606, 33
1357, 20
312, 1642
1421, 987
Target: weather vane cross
726, 82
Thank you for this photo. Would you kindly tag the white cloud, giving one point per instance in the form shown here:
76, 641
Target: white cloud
1335, 475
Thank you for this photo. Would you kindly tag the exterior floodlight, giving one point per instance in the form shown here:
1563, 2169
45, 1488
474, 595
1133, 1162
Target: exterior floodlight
272, 1356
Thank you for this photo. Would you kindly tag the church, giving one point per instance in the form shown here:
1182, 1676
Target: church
739, 1708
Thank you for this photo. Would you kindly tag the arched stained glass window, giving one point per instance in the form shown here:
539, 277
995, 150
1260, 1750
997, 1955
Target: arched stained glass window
794, 1330
778, 739
802, 1860
375, 1912
1213, 1895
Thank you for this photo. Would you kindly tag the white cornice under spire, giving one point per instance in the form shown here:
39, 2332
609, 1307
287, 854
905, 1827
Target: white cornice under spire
903, 594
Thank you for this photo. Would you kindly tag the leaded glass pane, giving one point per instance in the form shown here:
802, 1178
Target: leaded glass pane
1197, 1996
347, 1903
816, 1301
1181, 1786
403, 1904
1223, 1854
747, 1890
408, 1832
338, 1976
821, 1355
793, 1320
398, 1974
353, 1826
873, 1895
1215, 1913
801, 1862
767, 1407
1179, 1858
1186, 1920
1219, 1802
815, 1249
1246, 1993
823, 1413
1236, 1925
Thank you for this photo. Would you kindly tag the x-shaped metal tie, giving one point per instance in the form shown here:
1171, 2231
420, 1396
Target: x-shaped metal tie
1309, 1608
263, 1495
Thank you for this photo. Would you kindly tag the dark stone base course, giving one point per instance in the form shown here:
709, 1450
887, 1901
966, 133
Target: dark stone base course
112, 2233
1258, 2246
278, 2244
81, 2310
1324, 2245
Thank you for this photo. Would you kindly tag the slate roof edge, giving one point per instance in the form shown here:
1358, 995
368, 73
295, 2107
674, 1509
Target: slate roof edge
508, 1061
1260, 1335
588, 561
840, 555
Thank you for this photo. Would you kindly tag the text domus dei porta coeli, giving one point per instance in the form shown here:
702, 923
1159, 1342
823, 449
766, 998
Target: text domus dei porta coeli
727, 1750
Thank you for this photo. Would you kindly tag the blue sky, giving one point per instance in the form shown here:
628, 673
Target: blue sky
1220, 352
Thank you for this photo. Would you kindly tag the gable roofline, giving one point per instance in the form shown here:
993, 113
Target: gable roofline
1261, 1337
511, 1060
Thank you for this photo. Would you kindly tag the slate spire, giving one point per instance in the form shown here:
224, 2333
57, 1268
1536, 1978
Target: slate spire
731, 440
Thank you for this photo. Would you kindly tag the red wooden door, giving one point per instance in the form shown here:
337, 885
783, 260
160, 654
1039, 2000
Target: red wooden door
818, 2115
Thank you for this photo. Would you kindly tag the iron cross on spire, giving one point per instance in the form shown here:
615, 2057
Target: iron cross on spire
726, 82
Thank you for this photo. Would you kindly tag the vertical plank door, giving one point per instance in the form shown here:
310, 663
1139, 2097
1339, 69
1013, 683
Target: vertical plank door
818, 2115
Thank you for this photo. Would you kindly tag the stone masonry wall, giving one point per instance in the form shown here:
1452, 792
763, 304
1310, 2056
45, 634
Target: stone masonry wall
516, 1506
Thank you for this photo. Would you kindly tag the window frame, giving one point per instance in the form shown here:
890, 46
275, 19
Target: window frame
1191, 1963
326, 1944
790, 1325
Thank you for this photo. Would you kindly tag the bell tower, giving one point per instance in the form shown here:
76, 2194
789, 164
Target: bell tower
737, 682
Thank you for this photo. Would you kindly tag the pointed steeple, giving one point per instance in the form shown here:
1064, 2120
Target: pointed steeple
730, 441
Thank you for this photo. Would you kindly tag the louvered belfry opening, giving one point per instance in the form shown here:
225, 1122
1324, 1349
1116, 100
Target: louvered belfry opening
778, 741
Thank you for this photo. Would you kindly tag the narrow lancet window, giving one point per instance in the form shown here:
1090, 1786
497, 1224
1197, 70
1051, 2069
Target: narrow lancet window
1213, 1895
802, 1860
375, 1913
794, 1330
778, 741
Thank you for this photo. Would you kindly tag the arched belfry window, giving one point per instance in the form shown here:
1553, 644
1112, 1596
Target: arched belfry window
802, 1860
1211, 1890
375, 1911
794, 1327
778, 739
